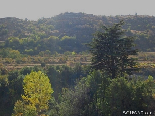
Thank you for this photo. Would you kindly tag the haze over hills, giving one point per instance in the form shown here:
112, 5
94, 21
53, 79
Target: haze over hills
70, 31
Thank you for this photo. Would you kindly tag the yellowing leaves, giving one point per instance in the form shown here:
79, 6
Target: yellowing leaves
37, 91
145, 65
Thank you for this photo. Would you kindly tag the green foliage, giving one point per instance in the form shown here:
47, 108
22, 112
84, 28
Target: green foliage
21, 109
73, 53
67, 53
25, 70
69, 44
135, 95
98, 95
29, 51
3, 80
77, 92
18, 108
82, 100
65, 77
45, 53
13, 42
13, 75
73, 27
118, 97
3, 30
43, 64
4, 53
9, 53
10, 91
110, 51
53, 108
3, 71
67, 37
93, 95
15, 88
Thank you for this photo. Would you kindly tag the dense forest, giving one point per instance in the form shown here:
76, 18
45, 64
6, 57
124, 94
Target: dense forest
77, 64
70, 32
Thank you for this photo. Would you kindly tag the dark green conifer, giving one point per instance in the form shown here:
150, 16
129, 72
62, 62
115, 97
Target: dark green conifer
110, 51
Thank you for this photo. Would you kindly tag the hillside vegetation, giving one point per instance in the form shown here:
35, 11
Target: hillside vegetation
70, 32
68, 65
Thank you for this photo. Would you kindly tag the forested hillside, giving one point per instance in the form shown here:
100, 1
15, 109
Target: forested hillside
68, 65
70, 32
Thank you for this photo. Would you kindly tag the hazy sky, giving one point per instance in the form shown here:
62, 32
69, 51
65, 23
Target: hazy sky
35, 9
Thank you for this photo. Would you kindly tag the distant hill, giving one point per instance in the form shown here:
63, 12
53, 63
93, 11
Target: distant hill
72, 30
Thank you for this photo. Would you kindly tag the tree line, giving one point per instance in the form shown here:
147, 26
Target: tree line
77, 25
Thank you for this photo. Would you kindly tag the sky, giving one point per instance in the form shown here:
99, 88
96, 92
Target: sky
35, 9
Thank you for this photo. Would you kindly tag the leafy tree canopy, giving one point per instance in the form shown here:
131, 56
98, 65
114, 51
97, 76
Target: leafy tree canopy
37, 91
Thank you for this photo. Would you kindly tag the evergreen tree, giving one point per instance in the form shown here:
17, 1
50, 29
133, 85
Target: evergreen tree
110, 51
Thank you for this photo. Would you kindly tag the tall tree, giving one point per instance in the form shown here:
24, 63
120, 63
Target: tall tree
37, 92
110, 51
